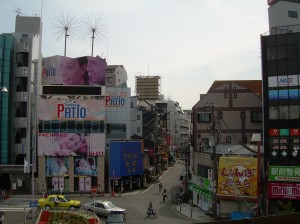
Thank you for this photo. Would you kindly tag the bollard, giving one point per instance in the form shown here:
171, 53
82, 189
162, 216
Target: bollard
180, 207
191, 212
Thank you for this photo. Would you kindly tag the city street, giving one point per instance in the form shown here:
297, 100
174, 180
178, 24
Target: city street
135, 203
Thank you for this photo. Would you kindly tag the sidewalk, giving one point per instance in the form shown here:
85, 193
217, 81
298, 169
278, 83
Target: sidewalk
195, 213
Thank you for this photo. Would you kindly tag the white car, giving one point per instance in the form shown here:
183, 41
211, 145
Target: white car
103, 208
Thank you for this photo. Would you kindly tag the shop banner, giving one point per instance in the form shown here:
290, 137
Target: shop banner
279, 190
284, 173
237, 177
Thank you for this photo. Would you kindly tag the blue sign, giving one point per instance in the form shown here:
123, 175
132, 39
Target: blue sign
125, 158
33, 204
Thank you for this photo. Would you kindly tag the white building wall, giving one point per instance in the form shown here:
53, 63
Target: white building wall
278, 14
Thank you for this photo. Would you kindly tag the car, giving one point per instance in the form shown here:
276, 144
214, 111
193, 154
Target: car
102, 207
58, 201
116, 217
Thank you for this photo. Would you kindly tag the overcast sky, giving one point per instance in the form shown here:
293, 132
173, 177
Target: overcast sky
189, 43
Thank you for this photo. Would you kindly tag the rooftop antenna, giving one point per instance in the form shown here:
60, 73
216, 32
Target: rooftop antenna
94, 26
64, 26
18, 11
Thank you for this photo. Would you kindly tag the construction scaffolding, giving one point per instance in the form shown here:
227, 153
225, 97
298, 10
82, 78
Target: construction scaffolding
147, 87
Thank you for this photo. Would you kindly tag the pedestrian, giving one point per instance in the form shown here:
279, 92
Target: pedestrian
164, 194
160, 186
1, 217
61, 189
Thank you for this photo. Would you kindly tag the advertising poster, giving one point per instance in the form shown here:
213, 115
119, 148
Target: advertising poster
57, 166
57, 109
85, 166
125, 158
279, 190
71, 144
86, 70
237, 177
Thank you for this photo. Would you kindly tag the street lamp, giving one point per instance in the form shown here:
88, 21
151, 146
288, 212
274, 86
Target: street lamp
3, 89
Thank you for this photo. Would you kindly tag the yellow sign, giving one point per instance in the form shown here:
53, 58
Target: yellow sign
237, 177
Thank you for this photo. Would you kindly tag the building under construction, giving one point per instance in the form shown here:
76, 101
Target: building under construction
147, 87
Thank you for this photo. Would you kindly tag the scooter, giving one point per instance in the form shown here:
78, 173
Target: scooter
151, 213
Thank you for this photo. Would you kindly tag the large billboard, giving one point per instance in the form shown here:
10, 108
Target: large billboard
126, 158
58, 109
71, 144
86, 70
237, 177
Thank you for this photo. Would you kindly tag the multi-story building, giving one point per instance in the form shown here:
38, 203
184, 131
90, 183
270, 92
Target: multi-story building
224, 120
281, 81
20, 76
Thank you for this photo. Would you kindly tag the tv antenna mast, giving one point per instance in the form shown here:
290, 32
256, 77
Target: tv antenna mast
95, 27
18, 11
64, 26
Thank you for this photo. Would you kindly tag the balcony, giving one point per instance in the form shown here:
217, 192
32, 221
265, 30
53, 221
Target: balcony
21, 97
22, 47
19, 148
20, 122
22, 72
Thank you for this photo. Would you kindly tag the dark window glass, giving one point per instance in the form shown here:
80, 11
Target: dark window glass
87, 126
292, 51
271, 68
256, 116
281, 52
79, 126
204, 117
282, 67
71, 126
292, 67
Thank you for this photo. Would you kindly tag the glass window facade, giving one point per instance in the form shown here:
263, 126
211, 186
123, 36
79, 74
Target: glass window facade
281, 86
6, 72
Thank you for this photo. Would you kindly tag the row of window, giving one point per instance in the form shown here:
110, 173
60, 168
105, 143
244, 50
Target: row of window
206, 117
54, 126
284, 112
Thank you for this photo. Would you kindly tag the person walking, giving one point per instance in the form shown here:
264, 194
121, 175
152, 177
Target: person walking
160, 186
61, 189
164, 194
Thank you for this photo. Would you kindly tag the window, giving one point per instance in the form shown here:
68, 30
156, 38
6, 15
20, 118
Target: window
292, 14
273, 112
243, 115
225, 93
228, 139
202, 170
138, 117
234, 93
244, 138
204, 117
138, 129
256, 116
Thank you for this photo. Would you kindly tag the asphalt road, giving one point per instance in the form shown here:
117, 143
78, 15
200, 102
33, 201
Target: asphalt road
135, 203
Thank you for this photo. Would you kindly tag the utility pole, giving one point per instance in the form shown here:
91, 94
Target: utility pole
214, 130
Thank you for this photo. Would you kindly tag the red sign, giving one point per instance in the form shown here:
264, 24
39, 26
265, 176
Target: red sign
281, 190
294, 132
274, 132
